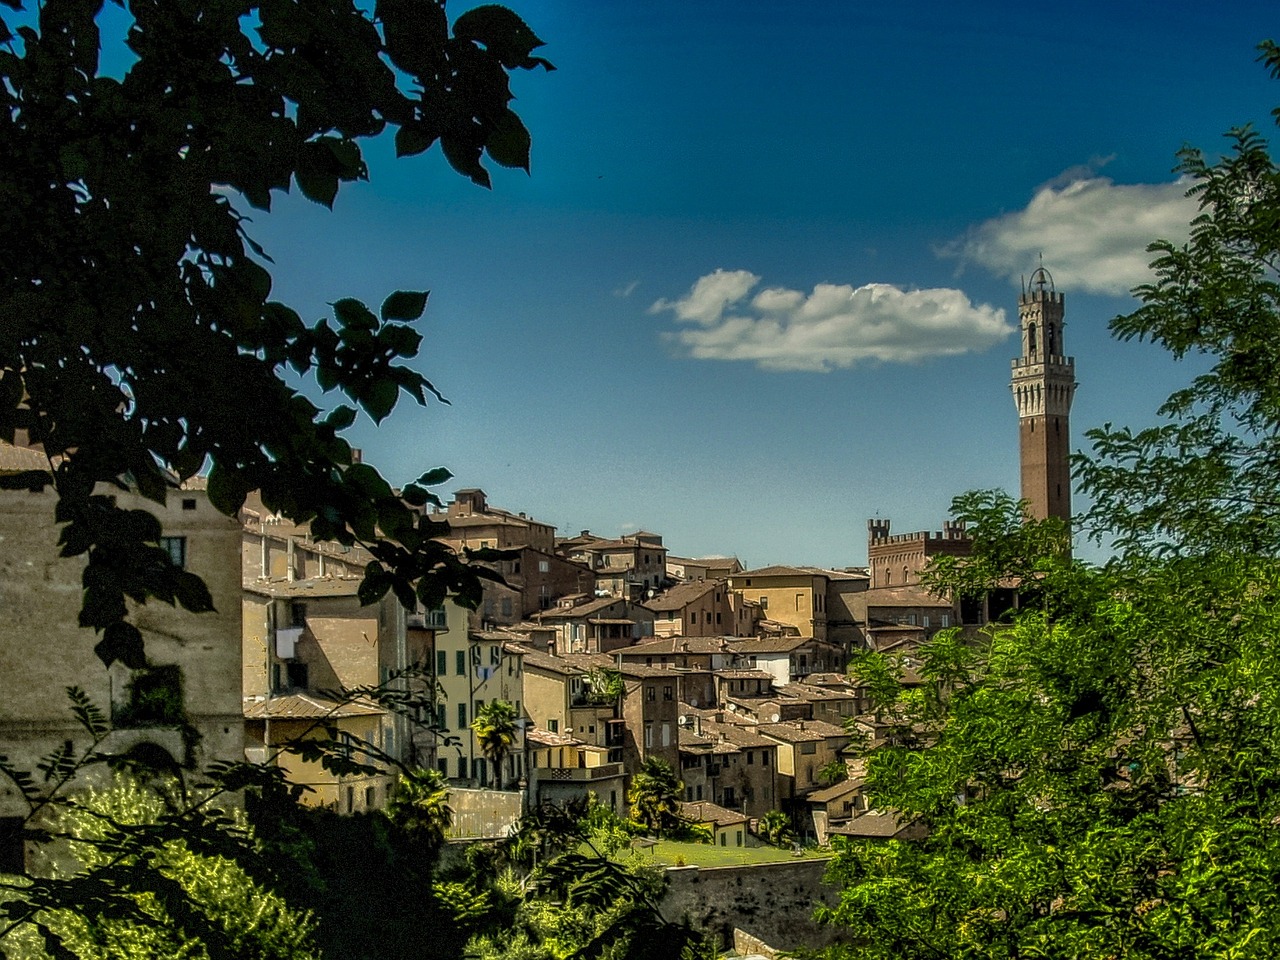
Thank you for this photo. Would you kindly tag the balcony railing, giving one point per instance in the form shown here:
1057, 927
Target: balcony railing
601, 772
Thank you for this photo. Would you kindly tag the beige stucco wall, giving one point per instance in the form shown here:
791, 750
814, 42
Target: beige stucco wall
43, 650
798, 600
490, 679
546, 698
344, 794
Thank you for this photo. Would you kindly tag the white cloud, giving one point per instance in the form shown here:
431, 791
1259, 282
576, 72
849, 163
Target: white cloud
834, 326
626, 290
1093, 233
706, 301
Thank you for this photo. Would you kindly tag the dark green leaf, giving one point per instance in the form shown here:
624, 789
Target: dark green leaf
318, 185
404, 305
501, 31
192, 593
121, 642
508, 141
341, 417
227, 490
435, 476
354, 315
380, 399
411, 141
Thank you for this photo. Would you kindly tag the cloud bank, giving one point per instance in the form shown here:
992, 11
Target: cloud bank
1093, 233
834, 326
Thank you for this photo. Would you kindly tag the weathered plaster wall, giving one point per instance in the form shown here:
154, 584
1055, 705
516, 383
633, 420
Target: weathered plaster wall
771, 901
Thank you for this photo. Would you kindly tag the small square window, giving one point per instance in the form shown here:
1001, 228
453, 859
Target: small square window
188, 503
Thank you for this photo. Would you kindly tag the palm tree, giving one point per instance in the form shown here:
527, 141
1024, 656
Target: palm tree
775, 828
495, 727
420, 809
654, 796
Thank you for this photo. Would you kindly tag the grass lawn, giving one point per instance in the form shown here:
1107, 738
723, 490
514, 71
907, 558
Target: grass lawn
669, 853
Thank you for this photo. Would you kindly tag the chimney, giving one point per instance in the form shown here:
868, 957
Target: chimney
357, 455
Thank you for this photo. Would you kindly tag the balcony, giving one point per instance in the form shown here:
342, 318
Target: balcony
580, 774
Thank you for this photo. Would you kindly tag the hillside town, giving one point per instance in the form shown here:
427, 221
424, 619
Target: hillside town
610, 648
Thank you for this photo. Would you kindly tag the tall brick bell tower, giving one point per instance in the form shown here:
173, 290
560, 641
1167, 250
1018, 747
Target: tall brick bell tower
1044, 383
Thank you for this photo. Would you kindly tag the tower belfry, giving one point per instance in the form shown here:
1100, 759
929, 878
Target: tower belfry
1044, 383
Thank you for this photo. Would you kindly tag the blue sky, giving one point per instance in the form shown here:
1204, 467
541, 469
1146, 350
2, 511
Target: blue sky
761, 282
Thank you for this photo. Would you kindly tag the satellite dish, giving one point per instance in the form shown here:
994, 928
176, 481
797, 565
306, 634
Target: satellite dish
775, 717
682, 721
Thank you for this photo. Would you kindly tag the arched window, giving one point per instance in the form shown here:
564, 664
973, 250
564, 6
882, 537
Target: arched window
1031, 338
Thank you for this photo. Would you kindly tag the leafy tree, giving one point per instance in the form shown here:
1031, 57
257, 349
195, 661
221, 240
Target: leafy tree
496, 727
775, 828
1098, 784
837, 771
562, 893
190, 896
1098, 777
419, 809
140, 343
1206, 478
654, 797
603, 685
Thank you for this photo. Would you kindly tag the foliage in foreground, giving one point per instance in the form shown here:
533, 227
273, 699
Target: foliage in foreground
1100, 784
186, 900
559, 895
140, 341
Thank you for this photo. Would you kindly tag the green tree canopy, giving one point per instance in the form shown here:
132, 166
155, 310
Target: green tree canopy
149, 882
496, 729
139, 343
1206, 479
654, 797
419, 809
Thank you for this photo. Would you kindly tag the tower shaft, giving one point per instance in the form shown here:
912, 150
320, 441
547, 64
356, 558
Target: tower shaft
1044, 384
